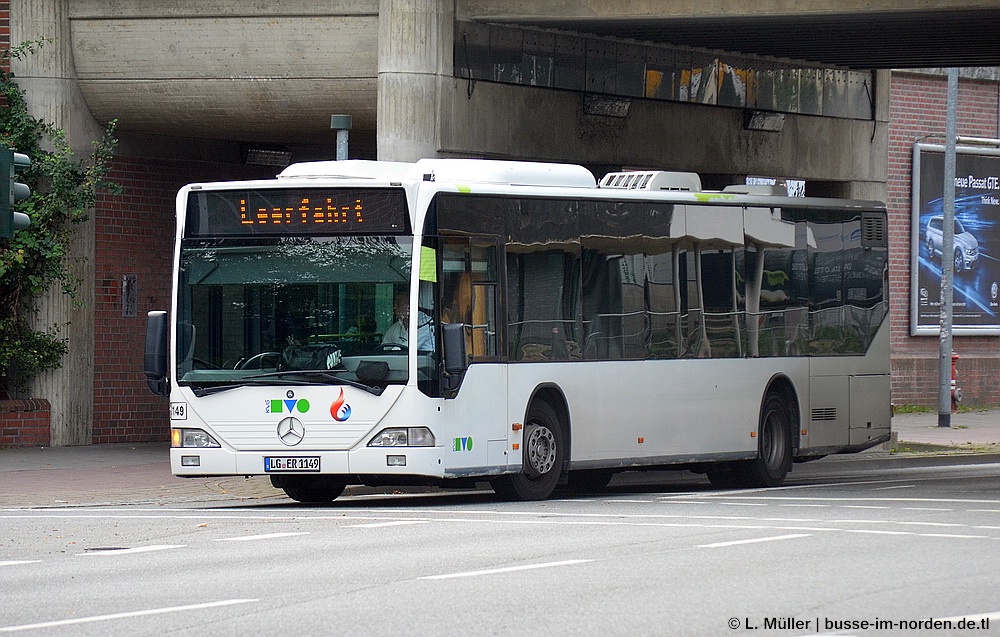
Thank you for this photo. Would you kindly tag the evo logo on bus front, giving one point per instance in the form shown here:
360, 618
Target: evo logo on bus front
289, 406
463, 444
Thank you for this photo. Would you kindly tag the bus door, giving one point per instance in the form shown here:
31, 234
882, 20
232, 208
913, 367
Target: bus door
469, 295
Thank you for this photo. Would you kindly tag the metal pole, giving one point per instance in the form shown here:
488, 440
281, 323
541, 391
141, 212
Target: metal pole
342, 145
947, 254
341, 124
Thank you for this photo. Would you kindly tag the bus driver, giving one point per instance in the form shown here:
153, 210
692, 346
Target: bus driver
397, 332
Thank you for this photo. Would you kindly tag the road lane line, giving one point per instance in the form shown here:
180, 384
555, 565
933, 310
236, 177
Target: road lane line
17, 562
972, 618
138, 549
508, 569
873, 532
811, 506
374, 525
785, 498
137, 613
268, 536
754, 541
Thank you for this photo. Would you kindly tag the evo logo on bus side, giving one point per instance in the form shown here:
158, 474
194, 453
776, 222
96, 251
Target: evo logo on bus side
463, 444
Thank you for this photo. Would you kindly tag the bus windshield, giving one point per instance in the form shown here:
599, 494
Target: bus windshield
295, 309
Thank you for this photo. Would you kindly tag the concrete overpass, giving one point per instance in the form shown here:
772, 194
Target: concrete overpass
437, 77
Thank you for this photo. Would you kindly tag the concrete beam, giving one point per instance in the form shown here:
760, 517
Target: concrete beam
595, 9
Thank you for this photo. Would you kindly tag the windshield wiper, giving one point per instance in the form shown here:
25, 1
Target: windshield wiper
215, 389
323, 373
263, 379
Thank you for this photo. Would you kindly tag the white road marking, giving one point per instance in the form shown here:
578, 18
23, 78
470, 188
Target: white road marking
138, 549
813, 506
508, 569
17, 562
901, 486
137, 613
403, 516
797, 498
874, 532
923, 509
251, 538
753, 541
374, 525
972, 618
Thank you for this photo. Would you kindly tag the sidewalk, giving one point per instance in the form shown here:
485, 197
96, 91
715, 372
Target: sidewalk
139, 474
969, 431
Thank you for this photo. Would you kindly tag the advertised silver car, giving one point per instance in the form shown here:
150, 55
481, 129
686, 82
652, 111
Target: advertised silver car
966, 246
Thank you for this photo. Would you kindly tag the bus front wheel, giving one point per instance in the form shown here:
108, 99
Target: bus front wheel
543, 450
310, 489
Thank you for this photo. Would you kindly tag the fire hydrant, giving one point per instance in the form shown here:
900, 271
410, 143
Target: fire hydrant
956, 391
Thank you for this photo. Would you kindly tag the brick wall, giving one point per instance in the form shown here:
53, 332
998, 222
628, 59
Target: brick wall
24, 423
135, 240
4, 30
918, 110
4, 40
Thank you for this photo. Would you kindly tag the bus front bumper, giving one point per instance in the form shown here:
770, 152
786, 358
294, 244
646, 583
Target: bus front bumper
205, 462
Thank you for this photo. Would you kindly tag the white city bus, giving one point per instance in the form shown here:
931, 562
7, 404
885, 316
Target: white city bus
560, 330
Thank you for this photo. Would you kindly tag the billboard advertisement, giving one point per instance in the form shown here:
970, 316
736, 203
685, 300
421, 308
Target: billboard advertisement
975, 258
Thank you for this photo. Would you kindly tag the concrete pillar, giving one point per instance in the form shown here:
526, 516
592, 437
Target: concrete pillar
49, 81
414, 58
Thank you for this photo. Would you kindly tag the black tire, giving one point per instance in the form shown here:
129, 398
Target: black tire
723, 476
310, 489
774, 446
543, 450
589, 480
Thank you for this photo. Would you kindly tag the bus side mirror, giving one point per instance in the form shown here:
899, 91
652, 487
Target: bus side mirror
454, 357
155, 360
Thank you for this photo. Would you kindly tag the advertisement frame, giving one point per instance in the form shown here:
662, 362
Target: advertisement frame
976, 309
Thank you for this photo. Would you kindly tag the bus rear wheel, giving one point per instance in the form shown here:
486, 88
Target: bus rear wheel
774, 445
543, 450
310, 489
774, 451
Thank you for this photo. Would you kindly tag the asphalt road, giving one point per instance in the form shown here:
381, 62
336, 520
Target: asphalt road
900, 545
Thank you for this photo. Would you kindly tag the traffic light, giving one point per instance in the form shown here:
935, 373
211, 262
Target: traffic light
11, 192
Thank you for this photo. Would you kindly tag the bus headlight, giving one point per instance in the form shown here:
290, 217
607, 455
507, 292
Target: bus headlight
191, 438
403, 437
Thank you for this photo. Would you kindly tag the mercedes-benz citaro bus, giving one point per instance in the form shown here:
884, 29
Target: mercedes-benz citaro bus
460, 321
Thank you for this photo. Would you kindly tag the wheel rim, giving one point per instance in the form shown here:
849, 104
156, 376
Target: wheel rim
958, 261
541, 451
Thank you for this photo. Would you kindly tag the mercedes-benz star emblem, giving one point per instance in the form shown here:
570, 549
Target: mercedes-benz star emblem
291, 431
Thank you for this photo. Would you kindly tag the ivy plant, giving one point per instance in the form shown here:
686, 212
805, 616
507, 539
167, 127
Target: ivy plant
63, 190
